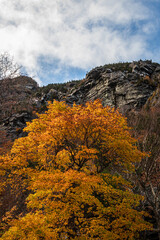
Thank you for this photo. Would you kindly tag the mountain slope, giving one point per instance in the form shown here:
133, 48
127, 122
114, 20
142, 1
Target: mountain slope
134, 88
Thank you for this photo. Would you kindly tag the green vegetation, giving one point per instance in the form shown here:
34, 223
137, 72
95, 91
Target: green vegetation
60, 87
121, 66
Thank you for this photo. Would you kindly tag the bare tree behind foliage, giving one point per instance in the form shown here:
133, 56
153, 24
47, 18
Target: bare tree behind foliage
8, 68
147, 129
148, 173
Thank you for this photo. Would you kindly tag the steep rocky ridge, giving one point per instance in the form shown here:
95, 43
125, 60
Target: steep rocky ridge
123, 89
16, 95
134, 88
125, 86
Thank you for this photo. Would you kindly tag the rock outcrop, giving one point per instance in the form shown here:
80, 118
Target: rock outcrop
134, 88
17, 104
123, 89
125, 86
14, 125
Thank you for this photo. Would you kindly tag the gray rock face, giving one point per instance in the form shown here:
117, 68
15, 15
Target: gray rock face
52, 94
120, 89
124, 85
16, 104
14, 125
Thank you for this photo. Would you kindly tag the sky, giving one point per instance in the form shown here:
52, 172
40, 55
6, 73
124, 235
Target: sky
61, 40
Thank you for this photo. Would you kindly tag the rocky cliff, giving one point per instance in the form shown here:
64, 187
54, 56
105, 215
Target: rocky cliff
134, 88
17, 104
126, 86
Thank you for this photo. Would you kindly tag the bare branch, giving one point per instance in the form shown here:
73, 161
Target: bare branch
8, 69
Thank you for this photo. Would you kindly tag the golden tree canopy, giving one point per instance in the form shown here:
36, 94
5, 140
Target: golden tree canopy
89, 137
72, 161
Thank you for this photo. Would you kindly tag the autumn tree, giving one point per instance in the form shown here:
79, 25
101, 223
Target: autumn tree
5, 145
72, 162
5, 142
12, 195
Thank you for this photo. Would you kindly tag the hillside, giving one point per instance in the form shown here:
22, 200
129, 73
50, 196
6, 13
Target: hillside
126, 86
133, 88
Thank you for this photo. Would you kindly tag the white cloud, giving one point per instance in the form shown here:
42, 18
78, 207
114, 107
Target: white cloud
77, 33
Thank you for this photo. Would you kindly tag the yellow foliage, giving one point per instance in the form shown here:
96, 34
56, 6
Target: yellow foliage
64, 160
83, 133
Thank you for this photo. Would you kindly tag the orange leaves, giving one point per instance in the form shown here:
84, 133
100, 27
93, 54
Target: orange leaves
76, 205
82, 133
63, 160
5, 143
33, 226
